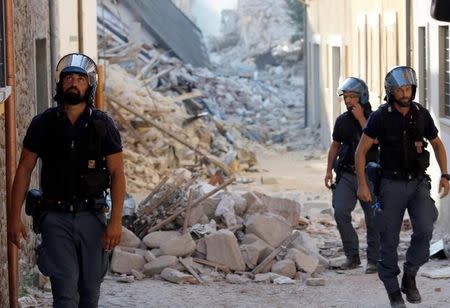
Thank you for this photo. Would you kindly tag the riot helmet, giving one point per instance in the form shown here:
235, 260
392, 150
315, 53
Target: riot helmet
80, 64
400, 76
353, 84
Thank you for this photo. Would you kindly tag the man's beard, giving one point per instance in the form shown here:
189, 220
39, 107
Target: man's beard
73, 97
403, 104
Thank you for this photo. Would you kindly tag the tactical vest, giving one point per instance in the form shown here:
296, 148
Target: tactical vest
73, 168
405, 152
347, 149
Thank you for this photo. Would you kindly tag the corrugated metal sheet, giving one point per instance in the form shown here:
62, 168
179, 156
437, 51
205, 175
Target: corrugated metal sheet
172, 29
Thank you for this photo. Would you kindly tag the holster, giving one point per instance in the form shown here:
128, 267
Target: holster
33, 207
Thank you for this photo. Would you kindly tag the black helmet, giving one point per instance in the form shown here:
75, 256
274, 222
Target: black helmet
353, 84
80, 64
400, 76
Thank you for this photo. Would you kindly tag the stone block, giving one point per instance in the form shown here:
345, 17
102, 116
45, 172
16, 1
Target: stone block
124, 259
155, 239
222, 247
178, 246
285, 268
269, 227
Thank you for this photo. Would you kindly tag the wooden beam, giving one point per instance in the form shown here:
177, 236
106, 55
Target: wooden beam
190, 269
209, 157
181, 210
274, 253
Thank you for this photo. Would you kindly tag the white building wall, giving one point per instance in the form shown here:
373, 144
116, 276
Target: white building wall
67, 31
434, 90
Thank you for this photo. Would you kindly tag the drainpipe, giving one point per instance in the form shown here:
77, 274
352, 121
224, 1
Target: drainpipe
54, 46
99, 93
80, 27
10, 136
305, 60
408, 31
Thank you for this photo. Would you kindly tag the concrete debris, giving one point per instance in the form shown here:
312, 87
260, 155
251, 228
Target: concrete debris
237, 279
175, 276
178, 246
315, 282
156, 266
284, 280
129, 239
137, 274
156, 239
225, 209
124, 259
266, 277
285, 268
271, 228
302, 261
222, 247
126, 279
255, 252
440, 248
201, 230
437, 273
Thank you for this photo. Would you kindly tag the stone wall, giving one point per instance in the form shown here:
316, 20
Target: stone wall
31, 22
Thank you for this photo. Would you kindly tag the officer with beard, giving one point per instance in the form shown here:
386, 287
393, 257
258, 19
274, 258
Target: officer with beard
401, 127
346, 134
81, 157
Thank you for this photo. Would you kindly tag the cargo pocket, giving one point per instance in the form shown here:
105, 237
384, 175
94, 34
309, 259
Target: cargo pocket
435, 213
105, 264
42, 260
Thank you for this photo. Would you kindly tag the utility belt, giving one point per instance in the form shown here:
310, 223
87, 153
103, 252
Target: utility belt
72, 206
347, 168
35, 204
402, 175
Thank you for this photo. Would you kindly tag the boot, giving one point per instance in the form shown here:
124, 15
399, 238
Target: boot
351, 263
371, 267
410, 289
396, 300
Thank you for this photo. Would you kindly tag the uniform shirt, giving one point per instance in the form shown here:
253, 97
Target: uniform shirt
35, 133
51, 136
389, 126
347, 131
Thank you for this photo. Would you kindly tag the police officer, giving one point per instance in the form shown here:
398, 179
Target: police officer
346, 134
401, 127
81, 156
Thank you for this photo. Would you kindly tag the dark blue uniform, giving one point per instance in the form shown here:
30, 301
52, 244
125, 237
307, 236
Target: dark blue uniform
347, 131
71, 253
404, 185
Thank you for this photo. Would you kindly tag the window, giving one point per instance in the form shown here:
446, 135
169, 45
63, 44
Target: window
423, 66
445, 73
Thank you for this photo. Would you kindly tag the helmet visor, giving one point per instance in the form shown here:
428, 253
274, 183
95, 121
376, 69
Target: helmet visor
77, 63
351, 85
401, 76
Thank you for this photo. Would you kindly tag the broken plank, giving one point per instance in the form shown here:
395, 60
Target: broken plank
209, 157
190, 269
216, 265
181, 210
274, 253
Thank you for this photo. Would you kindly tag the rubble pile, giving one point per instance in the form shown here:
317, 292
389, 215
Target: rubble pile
192, 105
173, 115
217, 236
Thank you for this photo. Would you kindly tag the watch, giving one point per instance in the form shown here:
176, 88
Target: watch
446, 176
